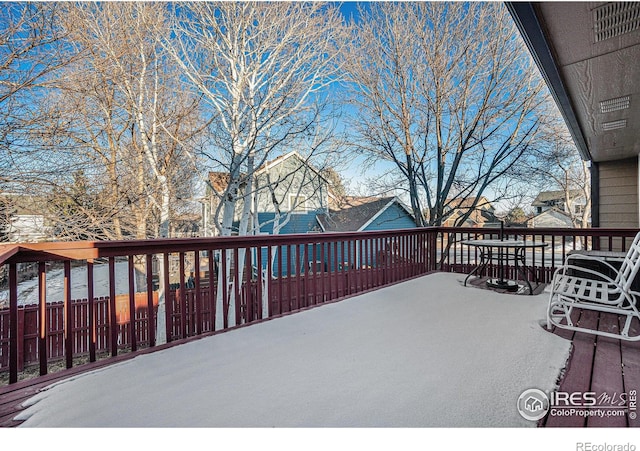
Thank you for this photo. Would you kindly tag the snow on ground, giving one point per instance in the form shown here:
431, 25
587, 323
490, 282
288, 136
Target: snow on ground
426, 352
28, 289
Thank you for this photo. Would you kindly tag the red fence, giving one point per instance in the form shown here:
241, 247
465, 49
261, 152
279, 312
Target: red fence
275, 275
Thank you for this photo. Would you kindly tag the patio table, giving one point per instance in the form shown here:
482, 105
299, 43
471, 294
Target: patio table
502, 252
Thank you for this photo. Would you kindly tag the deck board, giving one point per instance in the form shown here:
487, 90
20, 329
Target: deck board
606, 379
602, 365
577, 377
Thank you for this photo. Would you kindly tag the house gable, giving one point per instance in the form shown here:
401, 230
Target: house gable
550, 218
391, 216
379, 214
294, 184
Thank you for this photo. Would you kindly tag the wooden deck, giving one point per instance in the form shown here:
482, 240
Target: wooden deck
596, 364
13, 395
602, 365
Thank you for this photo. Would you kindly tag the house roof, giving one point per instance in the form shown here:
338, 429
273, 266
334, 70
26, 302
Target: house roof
219, 180
342, 202
548, 196
468, 202
553, 214
282, 158
354, 218
594, 41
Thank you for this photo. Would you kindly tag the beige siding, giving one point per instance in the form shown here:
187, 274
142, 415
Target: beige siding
619, 193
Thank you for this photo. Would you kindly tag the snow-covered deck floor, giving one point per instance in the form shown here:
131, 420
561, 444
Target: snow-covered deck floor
427, 352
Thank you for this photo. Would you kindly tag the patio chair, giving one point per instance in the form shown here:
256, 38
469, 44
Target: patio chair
583, 287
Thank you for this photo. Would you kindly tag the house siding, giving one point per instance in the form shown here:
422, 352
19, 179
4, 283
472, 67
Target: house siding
298, 222
394, 217
619, 193
293, 177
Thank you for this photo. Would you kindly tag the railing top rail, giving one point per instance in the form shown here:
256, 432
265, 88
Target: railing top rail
88, 250
558, 231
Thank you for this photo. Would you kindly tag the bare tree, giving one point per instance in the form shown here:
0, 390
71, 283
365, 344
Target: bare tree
447, 94
121, 115
32, 48
557, 164
263, 69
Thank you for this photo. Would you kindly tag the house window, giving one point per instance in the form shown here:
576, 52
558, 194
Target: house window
297, 203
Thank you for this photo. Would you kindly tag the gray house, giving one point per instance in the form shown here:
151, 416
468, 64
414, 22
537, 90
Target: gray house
288, 193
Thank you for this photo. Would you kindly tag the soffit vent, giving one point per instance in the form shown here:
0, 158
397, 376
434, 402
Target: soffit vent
615, 19
614, 125
620, 103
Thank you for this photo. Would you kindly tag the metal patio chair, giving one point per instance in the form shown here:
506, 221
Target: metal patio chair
576, 286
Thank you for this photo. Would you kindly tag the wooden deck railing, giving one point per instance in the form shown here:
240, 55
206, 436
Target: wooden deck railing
453, 256
95, 299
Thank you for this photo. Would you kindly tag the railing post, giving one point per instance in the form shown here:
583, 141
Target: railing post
132, 305
213, 277
151, 320
68, 313
13, 324
182, 298
198, 295
168, 302
113, 325
260, 292
92, 313
269, 276
42, 317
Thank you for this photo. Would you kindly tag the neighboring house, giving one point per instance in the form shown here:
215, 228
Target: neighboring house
361, 214
547, 200
551, 218
24, 228
291, 196
217, 183
482, 214
19, 222
552, 209
367, 214
185, 226
288, 195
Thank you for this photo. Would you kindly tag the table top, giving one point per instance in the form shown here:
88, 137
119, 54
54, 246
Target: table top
504, 243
